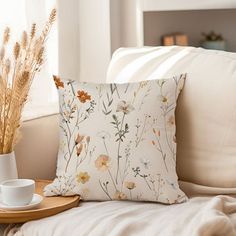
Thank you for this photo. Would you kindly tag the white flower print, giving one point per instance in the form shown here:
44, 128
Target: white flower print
124, 107
145, 162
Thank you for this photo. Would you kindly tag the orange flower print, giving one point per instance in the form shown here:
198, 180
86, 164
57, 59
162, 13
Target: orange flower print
83, 96
58, 82
157, 132
102, 162
79, 150
79, 139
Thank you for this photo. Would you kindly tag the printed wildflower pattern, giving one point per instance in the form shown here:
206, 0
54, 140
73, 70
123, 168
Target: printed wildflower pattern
83, 177
58, 82
118, 141
83, 96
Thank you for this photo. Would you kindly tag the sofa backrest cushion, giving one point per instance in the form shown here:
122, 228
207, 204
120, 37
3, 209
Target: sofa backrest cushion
206, 111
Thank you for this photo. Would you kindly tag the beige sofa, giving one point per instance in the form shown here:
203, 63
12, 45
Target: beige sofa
206, 152
36, 153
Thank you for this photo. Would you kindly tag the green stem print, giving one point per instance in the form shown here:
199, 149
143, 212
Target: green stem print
122, 129
105, 188
121, 135
127, 163
112, 179
144, 97
139, 133
69, 159
137, 171
69, 111
156, 191
130, 194
72, 88
158, 146
127, 87
141, 85
107, 105
66, 116
179, 84
104, 135
104, 143
117, 91
166, 109
121, 132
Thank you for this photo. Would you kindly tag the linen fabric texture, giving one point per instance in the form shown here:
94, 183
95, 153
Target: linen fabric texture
117, 141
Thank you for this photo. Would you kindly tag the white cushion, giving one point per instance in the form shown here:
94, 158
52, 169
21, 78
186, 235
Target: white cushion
117, 142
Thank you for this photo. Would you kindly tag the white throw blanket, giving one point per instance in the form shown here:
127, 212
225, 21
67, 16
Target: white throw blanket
200, 216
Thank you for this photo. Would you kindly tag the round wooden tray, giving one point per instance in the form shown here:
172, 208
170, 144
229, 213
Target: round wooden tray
48, 207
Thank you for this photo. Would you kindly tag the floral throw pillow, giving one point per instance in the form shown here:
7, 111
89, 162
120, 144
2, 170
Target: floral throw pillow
117, 141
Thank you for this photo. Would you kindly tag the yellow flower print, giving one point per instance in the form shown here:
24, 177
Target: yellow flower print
85, 192
83, 177
102, 162
164, 99
130, 185
119, 196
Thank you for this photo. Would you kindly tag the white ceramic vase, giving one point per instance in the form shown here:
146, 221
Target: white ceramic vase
8, 169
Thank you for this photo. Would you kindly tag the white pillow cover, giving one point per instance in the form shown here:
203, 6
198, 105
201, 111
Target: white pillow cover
117, 141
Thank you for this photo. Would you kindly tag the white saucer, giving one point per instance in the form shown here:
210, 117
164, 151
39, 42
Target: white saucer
37, 199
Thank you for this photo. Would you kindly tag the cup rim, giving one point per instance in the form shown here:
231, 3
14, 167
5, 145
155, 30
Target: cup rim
28, 182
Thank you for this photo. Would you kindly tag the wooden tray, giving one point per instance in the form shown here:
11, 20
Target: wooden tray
48, 207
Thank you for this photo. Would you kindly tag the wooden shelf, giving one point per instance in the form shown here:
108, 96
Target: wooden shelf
176, 5
156, 24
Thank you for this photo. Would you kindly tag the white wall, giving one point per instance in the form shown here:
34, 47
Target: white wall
84, 39
95, 39
69, 53
89, 32
128, 23
115, 17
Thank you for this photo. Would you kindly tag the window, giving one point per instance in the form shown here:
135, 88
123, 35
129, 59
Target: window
19, 15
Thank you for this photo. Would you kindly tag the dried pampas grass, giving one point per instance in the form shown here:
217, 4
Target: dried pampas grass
16, 76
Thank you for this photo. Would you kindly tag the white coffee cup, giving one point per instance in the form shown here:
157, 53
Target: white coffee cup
17, 192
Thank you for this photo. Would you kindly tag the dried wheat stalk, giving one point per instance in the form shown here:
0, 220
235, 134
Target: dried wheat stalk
16, 76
